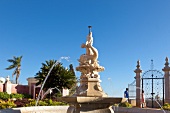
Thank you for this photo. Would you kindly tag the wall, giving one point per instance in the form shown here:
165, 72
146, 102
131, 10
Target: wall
24, 89
15, 88
1, 87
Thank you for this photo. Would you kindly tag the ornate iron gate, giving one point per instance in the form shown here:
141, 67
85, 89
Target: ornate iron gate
153, 86
132, 90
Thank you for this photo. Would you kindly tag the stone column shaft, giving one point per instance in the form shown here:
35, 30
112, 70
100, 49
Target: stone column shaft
138, 71
167, 87
166, 70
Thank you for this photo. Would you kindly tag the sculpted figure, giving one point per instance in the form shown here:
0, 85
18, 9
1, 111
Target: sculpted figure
91, 52
88, 62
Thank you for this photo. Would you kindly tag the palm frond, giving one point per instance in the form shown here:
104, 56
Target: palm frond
10, 67
11, 60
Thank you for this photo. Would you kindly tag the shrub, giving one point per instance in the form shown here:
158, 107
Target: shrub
21, 103
50, 102
166, 106
4, 96
27, 96
125, 104
40, 103
45, 103
16, 95
31, 103
8, 104
54, 103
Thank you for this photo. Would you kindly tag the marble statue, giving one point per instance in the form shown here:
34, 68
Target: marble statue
88, 63
91, 53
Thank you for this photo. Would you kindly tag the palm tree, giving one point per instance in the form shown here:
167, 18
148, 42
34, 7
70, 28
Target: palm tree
16, 65
59, 77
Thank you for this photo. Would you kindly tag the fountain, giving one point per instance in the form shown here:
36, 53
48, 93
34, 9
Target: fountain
89, 96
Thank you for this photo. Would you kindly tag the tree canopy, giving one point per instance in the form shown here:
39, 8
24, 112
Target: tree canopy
59, 77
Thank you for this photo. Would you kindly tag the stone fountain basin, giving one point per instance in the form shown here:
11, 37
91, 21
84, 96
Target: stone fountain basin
81, 100
81, 104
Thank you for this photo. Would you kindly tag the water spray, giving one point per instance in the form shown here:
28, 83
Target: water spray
58, 61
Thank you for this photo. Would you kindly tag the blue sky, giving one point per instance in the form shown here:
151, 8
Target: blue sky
123, 31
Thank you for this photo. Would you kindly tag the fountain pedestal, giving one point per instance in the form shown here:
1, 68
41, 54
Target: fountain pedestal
90, 87
94, 88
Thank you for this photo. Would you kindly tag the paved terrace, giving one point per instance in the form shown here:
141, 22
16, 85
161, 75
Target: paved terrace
63, 109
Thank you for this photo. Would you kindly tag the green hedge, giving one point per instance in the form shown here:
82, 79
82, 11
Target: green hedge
6, 96
166, 106
45, 103
125, 104
11, 104
7, 104
16, 95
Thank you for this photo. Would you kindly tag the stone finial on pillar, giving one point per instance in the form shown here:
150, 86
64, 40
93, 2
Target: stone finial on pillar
166, 70
138, 70
8, 85
167, 62
138, 79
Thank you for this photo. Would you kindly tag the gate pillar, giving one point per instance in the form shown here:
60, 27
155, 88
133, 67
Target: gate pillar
138, 71
166, 70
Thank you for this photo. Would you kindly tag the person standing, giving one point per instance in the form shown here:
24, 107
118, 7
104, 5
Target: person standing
143, 104
126, 93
